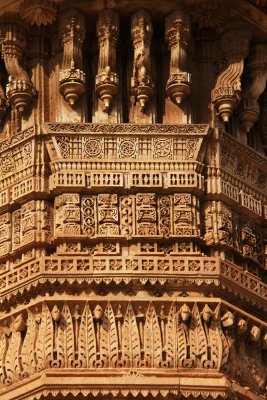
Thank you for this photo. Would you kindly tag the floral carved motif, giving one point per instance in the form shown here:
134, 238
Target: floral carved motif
38, 12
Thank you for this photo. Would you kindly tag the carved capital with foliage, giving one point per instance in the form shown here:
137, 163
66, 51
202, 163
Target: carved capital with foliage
141, 83
177, 33
71, 76
107, 79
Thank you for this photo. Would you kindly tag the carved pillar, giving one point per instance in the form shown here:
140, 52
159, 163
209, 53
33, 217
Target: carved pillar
227, 91
107, 80
262, 124
258, 75
3, 103
177, 32
20, 90
141, 83
71, 76
206, 57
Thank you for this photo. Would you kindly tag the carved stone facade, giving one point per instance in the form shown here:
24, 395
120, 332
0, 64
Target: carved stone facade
133, 200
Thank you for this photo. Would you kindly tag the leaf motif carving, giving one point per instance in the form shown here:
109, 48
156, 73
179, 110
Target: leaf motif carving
215, 339
9, 361
87, 340
111, 336
198, 342
44, 341
6, 379
27, 351
2, 356
223, 345
15, 348
181, 341
171, 337
152, 341
65, 339
131, 352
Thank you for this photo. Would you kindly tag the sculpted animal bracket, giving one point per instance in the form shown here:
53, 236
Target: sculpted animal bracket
72, 77
141, 84
20, 90
177, 33
258, 74
227, 92
107, 80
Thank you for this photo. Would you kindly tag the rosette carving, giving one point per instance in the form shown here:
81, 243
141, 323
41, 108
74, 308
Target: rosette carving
177, 33
141, 84
107, 80
258, 75
20, 90
227, 92
71, 76
38, 12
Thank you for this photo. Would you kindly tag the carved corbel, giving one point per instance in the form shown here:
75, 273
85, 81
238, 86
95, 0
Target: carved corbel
107, 80
20, 90
177, 33
71, 76
258, 74
227, 92
141, 84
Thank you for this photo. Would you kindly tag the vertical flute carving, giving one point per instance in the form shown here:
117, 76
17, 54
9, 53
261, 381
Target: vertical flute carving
71, 76
20, 90
141, 83
107, 80
227, 91
177, 32
258, 75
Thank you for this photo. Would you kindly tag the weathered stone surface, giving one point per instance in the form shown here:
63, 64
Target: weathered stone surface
133, 200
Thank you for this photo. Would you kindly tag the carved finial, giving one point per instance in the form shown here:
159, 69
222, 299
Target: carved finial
56, 314
177, 32
206, 313
98, 312
242, 326
254, 334
71, 77
19, 323
141, 83
264, 342
38, 12
107, 80
185, 313
257, 64
227, 319
227, 92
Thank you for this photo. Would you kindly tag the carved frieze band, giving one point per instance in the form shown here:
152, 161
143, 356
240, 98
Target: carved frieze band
184, 271
137, 335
